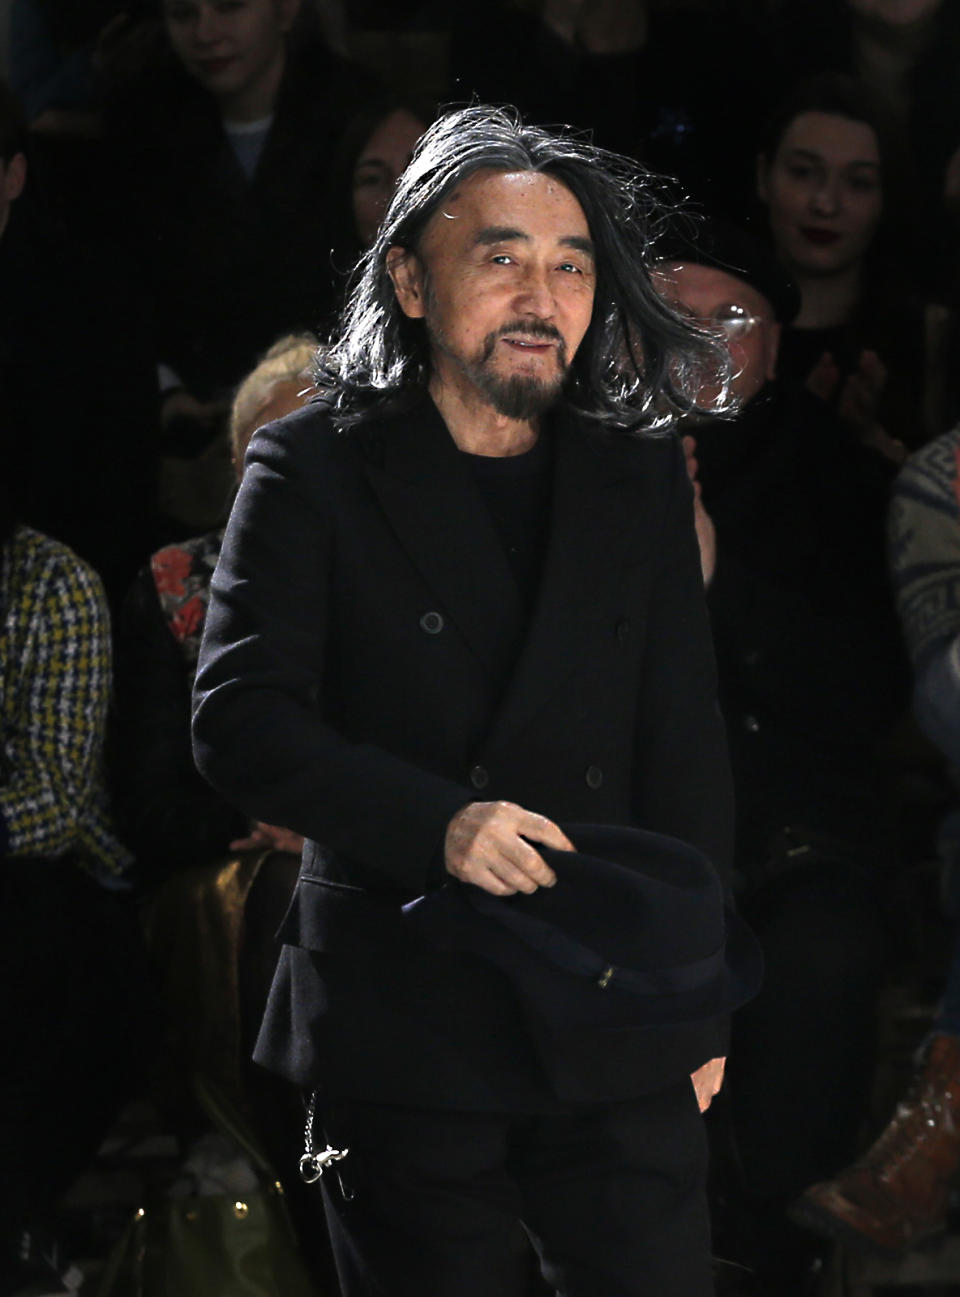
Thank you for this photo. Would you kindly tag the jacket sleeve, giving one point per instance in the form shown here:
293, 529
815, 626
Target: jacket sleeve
63, 679
683, 784
262, 734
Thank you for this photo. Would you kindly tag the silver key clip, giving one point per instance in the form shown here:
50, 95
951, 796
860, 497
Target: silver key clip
313, 1164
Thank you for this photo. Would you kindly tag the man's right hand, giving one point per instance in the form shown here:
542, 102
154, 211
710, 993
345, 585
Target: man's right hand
485, 846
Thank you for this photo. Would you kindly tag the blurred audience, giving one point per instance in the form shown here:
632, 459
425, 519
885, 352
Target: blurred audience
897, 1194
790, 519
672, 85
77, 381
222, 884
73, 1010
171, 817
222, 164
65, 54
904, 50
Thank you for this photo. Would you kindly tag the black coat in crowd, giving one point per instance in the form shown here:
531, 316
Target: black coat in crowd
812, 674
232, 263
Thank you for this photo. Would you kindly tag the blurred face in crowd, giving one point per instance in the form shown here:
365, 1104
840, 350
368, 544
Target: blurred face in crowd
13, 175
234, 48
895, 13
732, 309
823, 191
378, 168
504, 279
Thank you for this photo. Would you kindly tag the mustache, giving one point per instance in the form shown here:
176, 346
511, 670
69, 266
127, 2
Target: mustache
526, 329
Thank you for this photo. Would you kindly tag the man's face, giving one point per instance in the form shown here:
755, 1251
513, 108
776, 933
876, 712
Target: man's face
228, 45
735, 311
823, 191
504, 280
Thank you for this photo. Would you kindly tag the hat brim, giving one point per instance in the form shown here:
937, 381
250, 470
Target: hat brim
563, 1000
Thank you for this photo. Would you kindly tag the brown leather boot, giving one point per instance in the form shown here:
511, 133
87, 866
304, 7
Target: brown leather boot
897, 1193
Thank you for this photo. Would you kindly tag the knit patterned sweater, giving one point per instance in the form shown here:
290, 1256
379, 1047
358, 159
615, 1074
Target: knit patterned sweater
925, 547
54, 692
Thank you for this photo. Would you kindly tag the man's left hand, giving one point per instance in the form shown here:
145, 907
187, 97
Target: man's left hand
707, 1081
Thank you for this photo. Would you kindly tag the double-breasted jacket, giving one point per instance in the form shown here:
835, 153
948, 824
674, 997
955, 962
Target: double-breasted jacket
362, 623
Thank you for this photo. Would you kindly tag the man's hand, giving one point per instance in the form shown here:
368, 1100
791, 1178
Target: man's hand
269, 837
485, 846
707, 1081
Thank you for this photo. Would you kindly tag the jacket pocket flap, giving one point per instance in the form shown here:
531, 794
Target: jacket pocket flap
323, 915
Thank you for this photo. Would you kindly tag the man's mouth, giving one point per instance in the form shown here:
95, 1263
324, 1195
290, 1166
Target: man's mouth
530, 344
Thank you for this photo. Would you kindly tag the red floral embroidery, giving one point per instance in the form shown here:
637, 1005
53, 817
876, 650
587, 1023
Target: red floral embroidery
188, 619
171, 567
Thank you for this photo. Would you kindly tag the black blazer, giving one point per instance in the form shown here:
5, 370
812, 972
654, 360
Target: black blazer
350, 687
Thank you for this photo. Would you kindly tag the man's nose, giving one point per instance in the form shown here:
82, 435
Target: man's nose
534, 294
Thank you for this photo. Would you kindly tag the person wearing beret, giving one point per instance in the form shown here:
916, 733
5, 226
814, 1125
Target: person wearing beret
457, 638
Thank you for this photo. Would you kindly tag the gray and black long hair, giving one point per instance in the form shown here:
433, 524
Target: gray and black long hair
640, 363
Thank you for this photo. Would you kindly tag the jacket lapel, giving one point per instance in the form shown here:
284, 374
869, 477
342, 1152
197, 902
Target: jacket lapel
440, 520
592, 515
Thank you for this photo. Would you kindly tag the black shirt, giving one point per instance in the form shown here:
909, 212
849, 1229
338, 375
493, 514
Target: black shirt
517, 490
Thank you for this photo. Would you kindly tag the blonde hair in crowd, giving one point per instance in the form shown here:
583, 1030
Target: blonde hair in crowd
289, 358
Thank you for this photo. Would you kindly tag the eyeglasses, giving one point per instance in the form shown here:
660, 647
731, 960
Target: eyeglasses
732, 320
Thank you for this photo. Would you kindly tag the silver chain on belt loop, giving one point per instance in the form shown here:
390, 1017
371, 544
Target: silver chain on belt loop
313, 1164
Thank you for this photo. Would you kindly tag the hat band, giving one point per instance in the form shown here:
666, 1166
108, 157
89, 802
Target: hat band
567, 953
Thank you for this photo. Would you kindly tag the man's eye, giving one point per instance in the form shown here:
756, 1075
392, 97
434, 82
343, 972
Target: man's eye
570, 267
502, 259
799, 171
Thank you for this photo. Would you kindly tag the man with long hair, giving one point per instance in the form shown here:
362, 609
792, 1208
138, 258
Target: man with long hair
459, 600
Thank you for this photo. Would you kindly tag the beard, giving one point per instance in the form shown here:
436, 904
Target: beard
515, 396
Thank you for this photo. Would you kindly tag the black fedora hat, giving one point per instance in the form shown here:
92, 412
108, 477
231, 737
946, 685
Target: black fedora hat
635, 934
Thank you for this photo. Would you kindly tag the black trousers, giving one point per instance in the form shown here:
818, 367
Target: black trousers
445, 1203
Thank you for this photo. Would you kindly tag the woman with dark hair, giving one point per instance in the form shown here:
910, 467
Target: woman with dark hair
858, 340
374, 149
904, 50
